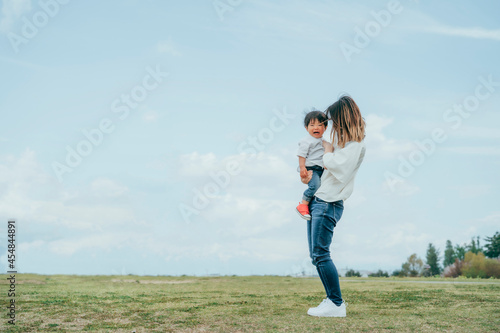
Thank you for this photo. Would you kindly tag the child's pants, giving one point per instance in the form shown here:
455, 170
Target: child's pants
314, 183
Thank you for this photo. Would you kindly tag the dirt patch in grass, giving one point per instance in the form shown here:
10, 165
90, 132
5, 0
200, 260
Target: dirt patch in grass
152, 281
18, 281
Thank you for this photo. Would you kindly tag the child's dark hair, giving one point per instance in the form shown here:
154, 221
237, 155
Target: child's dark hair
318, 115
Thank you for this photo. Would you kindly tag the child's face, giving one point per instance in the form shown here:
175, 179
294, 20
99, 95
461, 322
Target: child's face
316, 129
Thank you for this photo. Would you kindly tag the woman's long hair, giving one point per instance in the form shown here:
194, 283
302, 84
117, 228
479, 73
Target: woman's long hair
348, 125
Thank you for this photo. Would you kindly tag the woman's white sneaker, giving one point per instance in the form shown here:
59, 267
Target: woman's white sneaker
328, 309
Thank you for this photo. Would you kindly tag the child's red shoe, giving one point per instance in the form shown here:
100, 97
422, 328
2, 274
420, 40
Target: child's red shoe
303, 211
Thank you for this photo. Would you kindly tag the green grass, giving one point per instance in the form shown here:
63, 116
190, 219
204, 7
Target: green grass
61, 303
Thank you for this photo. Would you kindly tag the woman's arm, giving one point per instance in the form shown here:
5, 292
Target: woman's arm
344, 161
307, 178
328, 149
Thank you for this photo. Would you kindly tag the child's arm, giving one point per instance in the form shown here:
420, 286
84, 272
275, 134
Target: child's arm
302, 153
302, 165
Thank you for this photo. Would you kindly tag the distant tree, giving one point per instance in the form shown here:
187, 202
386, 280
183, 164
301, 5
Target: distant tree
474, 246
449, 254
380, 273
432, 259
397, 272
492, 246
460, 251
413, 266
352, 272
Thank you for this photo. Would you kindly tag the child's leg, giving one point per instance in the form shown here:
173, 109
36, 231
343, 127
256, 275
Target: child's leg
313, 186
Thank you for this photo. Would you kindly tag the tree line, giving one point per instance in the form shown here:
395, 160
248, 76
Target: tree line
469, 260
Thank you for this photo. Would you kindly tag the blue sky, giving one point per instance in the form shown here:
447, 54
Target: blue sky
173, 94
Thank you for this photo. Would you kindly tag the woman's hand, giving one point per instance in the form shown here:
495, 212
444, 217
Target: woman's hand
307, 179
328, 147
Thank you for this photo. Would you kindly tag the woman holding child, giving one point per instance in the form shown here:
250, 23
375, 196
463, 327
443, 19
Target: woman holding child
323, 210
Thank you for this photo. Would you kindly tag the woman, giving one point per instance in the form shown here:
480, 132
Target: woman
341, 161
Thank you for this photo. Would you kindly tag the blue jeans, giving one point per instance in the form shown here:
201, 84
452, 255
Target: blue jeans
324, 217
314, 183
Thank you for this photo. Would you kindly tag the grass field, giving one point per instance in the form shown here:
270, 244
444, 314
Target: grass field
247, 304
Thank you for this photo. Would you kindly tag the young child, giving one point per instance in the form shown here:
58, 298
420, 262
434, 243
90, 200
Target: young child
310, 155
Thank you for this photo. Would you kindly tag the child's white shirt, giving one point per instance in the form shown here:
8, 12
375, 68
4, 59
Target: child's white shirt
312, 150
341, 166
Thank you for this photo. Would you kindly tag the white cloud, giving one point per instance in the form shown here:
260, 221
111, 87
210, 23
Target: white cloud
477, 132
249, 217
55, 221
379, 145
254, 216
29, 194
168, 47
150, 116
407, 235
369, 244
298, 22
83, 216
22, 179
264, 248
475, 150
24, 248
401, 187
11, 11
476, 32
257, 170
101, 241
490, 220
24, 64
96, 218
197, 165
472, 191
471, 133
418, 20
358, 197
103, 187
